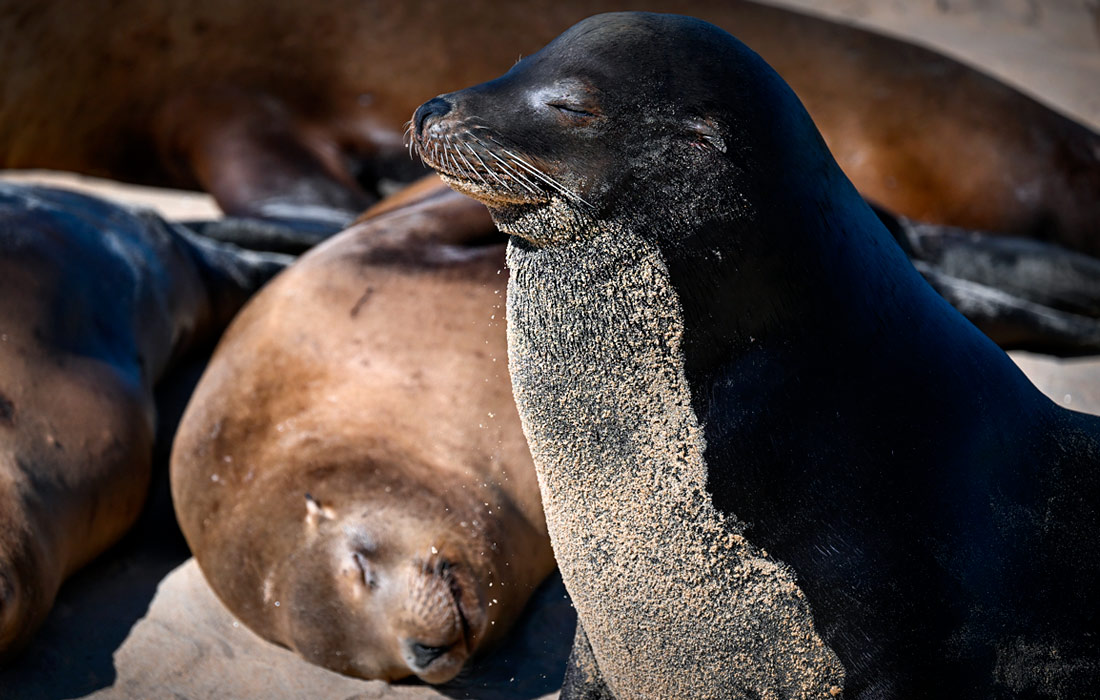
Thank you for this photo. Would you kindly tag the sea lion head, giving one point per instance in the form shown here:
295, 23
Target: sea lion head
385, 582
623, 113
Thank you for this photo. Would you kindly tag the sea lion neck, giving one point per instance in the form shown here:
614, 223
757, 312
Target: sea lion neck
786, 272
595, 339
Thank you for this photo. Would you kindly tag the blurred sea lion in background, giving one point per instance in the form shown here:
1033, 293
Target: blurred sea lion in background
97, 302
350, 473
294, 110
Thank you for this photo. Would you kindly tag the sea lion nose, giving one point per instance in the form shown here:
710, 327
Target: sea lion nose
424, 655
433, 108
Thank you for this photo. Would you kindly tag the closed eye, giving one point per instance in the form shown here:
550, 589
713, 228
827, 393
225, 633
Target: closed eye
365, 570
570, 110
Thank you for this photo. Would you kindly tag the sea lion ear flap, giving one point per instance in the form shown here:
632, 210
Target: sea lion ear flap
315, 512
706, 133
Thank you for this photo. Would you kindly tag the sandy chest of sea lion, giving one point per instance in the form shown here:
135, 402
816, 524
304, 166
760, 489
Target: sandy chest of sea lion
774, 462
350, 473
96, 302
294, 110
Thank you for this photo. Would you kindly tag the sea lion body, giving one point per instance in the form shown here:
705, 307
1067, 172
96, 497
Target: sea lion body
774, 462
96, 302
200, 95
351, 474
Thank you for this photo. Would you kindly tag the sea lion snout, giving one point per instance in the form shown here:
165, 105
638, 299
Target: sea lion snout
444, 621
434, 108
22, 602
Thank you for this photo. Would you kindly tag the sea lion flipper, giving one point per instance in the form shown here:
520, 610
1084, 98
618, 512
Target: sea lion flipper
1023, 293
282, 236
230, 274
1015, 323
256, 159
583, 680
1040, 272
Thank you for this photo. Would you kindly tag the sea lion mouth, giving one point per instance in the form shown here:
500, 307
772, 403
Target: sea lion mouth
465, 602
476, 161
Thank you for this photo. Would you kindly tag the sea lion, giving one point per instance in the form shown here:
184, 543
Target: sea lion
199, 94
774, 462
96, 303
350, 473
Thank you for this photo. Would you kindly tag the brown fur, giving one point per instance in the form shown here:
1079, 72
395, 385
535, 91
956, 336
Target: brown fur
266, 107
371, 375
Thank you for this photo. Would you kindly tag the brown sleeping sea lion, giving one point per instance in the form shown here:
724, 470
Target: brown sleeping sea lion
281, 110
96, 302
350, 473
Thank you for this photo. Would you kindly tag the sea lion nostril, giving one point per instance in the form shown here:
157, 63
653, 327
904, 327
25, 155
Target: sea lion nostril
424, 655
435, 107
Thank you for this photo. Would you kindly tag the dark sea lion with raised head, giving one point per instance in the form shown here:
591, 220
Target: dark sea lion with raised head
351, 474
97, 303
774, 462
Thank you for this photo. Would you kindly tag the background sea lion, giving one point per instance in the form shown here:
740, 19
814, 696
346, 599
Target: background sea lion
96, 302
200, 95
350, 473
774, 462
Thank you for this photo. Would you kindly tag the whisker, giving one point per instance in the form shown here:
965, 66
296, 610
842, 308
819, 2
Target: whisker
516, 175
469, 166
509, 170
447, 155
408, 140
520, 161
541, 176
512, 172
483, 165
